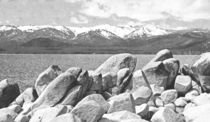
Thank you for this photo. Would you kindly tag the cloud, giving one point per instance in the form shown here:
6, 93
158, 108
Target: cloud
79, 19
144, 10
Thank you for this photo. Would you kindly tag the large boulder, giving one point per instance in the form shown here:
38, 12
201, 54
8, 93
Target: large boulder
156, 73
107, 81
202, 99
13, 111
121, 116
122, 102
88, 111
28, 96
142, 95
183, 84
202, 69
74, 71
68, 117
49, 113
97, 98
164, 115
162, 55
8, 92
54, 92
6, 118
97, 82
172, 66
73, 96
197, 113
117, 62
124, 80
46, 77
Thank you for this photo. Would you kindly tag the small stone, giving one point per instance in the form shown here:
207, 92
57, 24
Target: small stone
158, 102
141, 95
156, 90
121, 102
171, 106
189, 105
180, 102
169, 96
179, 109
183, 84
191, 95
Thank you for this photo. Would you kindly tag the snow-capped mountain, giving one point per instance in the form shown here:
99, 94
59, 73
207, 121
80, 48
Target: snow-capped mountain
147, 31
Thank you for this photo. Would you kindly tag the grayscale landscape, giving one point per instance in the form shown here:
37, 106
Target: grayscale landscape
104, 60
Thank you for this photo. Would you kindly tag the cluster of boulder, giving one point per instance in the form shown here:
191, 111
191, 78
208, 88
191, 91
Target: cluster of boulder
162, 91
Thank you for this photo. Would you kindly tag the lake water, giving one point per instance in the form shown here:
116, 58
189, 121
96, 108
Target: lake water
25, 68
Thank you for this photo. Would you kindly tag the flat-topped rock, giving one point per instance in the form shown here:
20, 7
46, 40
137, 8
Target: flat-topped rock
121, 102
183, 84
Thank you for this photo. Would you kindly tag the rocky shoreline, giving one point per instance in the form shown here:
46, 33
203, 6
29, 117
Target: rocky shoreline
162, 91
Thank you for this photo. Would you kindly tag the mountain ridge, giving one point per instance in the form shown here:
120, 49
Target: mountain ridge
101, 39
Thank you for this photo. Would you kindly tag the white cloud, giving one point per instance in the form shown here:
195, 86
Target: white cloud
148, 9
79, 19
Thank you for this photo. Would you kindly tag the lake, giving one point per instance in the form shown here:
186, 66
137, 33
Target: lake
25, 68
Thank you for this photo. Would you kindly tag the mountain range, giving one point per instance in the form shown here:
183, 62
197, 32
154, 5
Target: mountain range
102, 39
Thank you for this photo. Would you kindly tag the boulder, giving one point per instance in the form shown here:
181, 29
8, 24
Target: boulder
201, 69
27, 96
172, 66
5, 118
197, 113
11, 110
47, 114
186, 69
117, 62
46, 77
156, 73
169, 96
74, 71
97, 98
22, 118
191, 95
120, 116
124, 80
171, 106
141, 95
85, 81
88, 111
121, 102
202, 99
97, 83
164, 115
180, 102
68, 117
183, 84
54, 92
73, 96
142, 110
162, 55
8, 92
107, 81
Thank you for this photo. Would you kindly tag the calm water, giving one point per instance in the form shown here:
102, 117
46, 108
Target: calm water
25, 68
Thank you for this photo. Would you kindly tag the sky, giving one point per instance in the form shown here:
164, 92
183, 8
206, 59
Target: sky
168, 13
